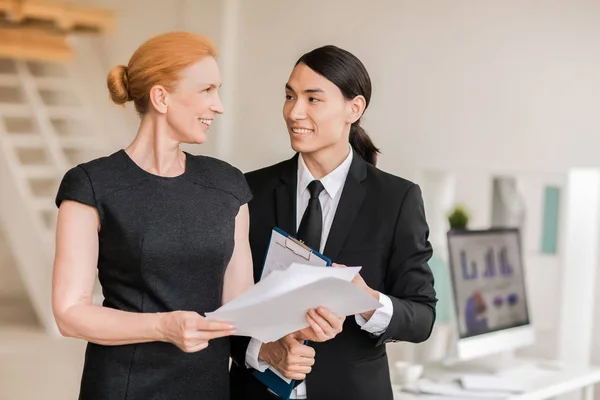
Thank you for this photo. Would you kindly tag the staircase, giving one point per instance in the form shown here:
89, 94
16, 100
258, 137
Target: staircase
46, 127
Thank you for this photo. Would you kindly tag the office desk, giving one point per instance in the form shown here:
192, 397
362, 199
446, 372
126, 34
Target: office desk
557, 382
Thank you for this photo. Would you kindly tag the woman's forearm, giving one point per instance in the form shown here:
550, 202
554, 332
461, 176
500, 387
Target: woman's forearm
107, 326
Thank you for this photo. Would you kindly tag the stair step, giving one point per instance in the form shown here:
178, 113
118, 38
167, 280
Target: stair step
52, 83
15, 110
81, 142
27, 140
65, 112
35, 141
9, 80
40, 172
54, 112
17, 312
44, 82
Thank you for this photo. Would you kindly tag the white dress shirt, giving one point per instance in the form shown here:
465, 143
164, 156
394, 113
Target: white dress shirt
329, 198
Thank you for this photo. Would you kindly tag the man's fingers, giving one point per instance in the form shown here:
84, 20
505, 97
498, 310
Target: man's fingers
295, 376
334, 321
303, 369
326, 313
291, 373
299, 367
306, 361
314, 325
307, 351
328, 321
301, 350
300, 361
293, 338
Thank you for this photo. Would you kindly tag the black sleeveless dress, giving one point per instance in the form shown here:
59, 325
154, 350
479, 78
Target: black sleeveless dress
164, 246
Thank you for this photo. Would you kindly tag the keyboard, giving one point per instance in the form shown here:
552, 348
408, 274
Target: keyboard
516, 380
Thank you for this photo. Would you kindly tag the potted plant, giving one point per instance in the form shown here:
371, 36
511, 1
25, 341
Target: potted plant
458, 218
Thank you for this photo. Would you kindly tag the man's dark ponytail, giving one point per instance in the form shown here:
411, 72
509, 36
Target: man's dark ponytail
362, 143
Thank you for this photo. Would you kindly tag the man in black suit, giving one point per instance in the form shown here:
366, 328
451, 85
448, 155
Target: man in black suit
333, 197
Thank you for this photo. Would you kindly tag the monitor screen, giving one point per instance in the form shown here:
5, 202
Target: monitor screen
487, 280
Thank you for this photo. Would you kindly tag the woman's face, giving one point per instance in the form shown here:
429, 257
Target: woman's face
194, 102
315, 111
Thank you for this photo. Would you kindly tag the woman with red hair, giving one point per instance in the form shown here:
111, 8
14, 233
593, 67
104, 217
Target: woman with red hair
166, 231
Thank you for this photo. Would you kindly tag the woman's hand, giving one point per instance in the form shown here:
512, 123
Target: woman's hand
190, 331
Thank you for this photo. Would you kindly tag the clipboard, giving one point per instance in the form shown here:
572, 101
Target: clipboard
284, 250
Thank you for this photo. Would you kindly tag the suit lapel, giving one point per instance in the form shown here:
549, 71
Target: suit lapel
285, 196
351, 200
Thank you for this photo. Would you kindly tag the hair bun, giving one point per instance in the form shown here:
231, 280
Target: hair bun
118, 84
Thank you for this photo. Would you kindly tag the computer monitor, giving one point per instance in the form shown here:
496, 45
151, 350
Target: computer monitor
490, 300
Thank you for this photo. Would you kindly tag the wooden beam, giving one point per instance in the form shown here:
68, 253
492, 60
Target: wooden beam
7, 6
90, 18
34, 44
64, 16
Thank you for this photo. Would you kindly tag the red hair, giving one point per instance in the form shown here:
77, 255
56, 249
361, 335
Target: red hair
158, 61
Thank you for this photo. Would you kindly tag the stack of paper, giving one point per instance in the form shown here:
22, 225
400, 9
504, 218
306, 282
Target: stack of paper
277, 305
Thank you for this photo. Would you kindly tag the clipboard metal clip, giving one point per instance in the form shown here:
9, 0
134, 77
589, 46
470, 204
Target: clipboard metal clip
298, 247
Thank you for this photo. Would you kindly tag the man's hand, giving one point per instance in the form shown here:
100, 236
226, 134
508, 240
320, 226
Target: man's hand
289, 356
324, 325
360, 282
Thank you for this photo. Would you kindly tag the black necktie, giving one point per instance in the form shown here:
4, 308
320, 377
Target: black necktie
311, 225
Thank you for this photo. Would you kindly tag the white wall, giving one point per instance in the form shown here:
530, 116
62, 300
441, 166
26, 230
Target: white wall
461, 83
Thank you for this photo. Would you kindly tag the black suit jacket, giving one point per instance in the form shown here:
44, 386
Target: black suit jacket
380, 225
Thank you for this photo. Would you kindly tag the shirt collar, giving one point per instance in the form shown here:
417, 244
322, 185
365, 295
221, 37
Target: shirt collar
332, 182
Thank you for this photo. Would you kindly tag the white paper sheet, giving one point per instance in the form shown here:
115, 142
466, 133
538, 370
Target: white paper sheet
279, 282
277, 305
